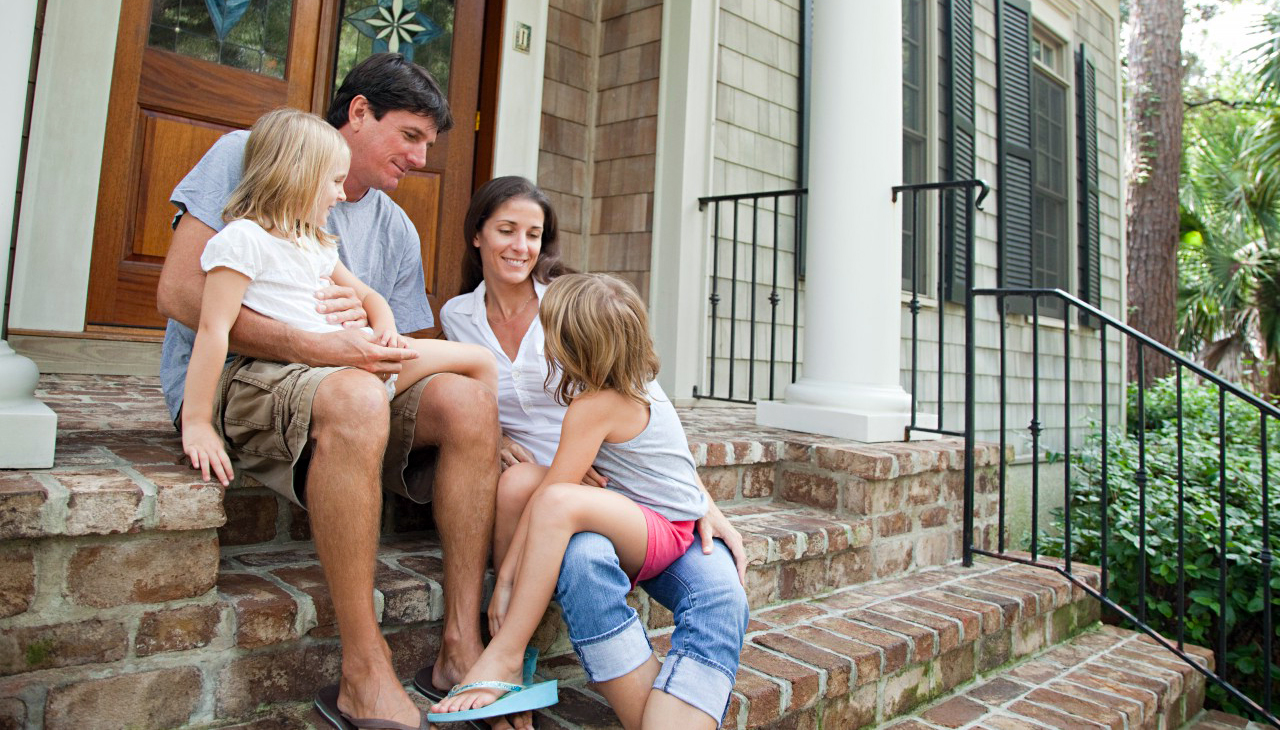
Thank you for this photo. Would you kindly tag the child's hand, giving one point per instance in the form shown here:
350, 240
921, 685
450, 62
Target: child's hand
499, 604
391, 338
201, 443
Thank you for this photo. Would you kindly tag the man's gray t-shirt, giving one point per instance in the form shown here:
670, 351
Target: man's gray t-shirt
376, 241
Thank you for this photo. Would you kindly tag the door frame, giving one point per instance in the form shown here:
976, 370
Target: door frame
113, 219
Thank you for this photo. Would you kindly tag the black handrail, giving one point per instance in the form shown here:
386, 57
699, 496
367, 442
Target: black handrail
1105, 323
751, 203
915, 190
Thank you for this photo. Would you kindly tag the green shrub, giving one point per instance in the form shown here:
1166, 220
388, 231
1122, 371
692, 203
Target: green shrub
1244, 577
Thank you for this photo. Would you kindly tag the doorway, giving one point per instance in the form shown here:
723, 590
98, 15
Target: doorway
188, 71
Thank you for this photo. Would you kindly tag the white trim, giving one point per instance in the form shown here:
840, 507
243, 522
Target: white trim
682, 174
64, 163
518, 136
1056, 16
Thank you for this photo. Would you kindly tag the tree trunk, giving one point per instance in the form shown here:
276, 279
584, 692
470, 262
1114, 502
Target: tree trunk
1154, 127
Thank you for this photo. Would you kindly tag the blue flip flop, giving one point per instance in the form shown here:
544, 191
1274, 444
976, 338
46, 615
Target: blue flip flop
518, 698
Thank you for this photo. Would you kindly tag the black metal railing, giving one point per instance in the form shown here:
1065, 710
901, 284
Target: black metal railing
1226, 554
728, 229
956, 204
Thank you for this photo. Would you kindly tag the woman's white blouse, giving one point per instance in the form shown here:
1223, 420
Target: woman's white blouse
526, 409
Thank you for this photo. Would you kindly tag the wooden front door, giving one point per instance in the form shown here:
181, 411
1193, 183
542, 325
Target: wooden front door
187, 71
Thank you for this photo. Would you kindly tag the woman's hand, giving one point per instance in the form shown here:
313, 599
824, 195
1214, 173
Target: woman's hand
594, 478
714, 524
201, 443
512, 453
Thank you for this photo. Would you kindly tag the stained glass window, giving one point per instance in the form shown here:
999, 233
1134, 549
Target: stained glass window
248, 34
421, 30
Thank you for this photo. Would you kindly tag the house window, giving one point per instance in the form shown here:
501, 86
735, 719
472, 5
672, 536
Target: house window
1050, 243
914, 138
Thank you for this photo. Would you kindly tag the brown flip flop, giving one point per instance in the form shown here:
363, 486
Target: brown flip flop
327, 705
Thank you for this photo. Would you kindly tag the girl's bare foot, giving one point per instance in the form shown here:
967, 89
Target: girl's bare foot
489, 667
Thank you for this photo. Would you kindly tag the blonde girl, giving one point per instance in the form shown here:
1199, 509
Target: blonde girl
273, 255
618, 418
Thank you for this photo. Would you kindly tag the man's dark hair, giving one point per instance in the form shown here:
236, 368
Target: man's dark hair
391, 82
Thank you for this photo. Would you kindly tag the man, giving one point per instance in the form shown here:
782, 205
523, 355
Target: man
349, 441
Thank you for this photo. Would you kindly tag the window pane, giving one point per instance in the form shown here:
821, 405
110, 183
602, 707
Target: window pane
247, 34
1049, 211
913, 137
913, 166
421, 30
913, 65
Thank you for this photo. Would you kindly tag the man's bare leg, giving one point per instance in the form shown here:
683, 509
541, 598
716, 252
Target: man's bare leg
460, 416
349, 419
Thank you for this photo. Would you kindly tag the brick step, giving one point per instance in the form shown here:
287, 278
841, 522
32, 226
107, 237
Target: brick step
277, 593
1105, 678
854, 658
1216, 720
867, 654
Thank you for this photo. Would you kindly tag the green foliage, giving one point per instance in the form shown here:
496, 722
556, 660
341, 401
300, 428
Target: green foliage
1229, 199
1200, 519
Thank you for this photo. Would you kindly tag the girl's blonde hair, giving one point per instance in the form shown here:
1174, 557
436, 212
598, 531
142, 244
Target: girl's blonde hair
597, 332
286, 160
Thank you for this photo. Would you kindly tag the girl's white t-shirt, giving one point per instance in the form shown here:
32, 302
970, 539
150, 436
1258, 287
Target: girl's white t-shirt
284, 276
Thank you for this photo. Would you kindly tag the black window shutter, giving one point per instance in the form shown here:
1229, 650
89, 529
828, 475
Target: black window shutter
961, 147
1088, 235
1016, 156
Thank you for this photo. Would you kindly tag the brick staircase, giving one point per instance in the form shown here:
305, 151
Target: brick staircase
134, 595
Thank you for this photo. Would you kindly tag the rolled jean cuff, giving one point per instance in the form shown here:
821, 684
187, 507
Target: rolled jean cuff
616, 653
704, 685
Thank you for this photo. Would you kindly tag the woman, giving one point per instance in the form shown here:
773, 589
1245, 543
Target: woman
512, 255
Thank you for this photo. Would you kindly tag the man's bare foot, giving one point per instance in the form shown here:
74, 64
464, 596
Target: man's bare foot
377, 695
490, 667
518, 721
453, 662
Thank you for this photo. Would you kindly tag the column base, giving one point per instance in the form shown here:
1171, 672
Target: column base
31, 430
842, 423
30, 427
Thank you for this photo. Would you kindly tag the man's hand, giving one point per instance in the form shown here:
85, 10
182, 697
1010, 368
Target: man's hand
358, 349
340, 305
714, 524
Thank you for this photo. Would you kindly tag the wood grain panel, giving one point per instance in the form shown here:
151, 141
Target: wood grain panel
419, 195
170, 147
87, 354
198, 89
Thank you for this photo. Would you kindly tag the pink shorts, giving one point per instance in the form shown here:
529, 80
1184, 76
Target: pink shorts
667, 541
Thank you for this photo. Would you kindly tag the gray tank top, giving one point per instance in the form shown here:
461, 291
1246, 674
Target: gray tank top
655, 468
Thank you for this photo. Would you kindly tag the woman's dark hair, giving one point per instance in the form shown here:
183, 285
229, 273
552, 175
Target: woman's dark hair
488, 199
391, 82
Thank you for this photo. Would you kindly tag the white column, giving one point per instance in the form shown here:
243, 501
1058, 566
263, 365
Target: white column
852, 314
27, 426
686, 115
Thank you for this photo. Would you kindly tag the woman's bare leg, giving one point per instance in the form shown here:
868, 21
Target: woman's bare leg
628, 695
556, 513
667, 711
516, 485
